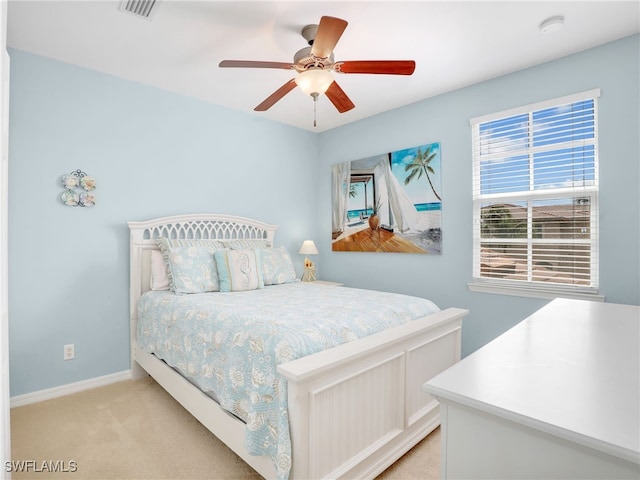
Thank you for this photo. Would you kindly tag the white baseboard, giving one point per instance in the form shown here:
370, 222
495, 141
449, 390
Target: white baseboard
62, 390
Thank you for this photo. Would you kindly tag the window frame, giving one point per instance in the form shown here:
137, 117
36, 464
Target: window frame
530, 288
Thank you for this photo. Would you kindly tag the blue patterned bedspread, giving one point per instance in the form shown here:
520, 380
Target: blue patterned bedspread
230, 343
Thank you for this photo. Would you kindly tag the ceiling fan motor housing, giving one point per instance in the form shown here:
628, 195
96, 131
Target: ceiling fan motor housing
309, 33
304, 59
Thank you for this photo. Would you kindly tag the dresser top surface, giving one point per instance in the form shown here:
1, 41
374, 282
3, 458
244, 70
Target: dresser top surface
571, 369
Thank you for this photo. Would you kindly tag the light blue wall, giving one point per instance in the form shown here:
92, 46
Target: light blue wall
153, 154
614, 68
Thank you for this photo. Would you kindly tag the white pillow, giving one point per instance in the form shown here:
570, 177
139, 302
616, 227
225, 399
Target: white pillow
159, 275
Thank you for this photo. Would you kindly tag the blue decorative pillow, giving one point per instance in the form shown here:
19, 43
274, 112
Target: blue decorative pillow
192, 270
277, 266
241, 244
239, 270
165, 243
187, 285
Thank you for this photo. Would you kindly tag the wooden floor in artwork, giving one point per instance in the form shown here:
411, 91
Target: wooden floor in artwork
380, 240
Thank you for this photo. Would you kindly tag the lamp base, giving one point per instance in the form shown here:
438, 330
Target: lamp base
309, 274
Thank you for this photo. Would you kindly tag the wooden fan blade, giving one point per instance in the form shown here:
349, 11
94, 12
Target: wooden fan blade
329, 32
275, 96
339, 98
389, 67
252, 64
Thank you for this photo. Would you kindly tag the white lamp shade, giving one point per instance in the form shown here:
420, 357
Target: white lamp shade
314, 81
308, 248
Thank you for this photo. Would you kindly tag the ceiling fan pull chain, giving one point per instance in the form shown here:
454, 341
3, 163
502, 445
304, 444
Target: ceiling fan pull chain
315, 104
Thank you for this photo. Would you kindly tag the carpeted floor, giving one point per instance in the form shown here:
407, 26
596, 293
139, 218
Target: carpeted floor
135, 430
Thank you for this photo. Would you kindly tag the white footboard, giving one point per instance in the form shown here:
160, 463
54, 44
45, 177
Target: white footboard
357, 408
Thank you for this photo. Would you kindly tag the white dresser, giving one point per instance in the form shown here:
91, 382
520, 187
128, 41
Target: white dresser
556, 396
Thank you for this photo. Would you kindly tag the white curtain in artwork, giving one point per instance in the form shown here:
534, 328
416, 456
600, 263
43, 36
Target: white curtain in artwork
396, 208
382, 194
404, 212
340, 183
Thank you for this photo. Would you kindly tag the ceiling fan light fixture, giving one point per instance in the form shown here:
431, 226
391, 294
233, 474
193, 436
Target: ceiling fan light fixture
315, 80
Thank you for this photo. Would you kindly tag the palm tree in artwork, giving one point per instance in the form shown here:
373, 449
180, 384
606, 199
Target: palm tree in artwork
420, 165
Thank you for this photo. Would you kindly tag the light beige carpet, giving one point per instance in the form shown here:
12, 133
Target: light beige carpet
135, 430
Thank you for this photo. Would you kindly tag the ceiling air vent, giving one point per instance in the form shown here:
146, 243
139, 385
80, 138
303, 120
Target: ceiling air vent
139, 8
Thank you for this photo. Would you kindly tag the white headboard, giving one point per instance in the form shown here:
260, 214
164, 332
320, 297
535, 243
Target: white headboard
144, 237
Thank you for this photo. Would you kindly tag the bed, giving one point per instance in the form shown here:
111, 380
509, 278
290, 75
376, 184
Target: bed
348, 411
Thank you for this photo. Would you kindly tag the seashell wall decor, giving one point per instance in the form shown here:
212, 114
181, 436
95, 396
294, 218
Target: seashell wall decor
79, 189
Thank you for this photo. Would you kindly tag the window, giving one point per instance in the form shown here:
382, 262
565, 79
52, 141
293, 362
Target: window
535, 194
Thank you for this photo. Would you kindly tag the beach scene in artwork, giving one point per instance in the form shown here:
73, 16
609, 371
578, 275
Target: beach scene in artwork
389, 203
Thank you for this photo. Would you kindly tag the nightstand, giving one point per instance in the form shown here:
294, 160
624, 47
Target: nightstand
326, 282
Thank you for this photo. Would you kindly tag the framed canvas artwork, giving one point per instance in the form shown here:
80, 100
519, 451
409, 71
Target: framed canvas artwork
389, 202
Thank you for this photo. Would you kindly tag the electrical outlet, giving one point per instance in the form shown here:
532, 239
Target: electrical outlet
69, 351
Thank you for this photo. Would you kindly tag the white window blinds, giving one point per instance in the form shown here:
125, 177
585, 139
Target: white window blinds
535, 193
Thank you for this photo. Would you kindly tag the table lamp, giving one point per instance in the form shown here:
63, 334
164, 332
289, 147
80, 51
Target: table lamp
308, 248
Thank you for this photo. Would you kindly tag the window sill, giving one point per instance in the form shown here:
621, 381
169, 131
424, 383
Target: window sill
532, 291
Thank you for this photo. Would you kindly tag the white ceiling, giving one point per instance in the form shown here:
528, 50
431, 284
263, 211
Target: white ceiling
454, 44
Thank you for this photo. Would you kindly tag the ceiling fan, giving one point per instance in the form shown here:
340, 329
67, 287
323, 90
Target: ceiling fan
315, 63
